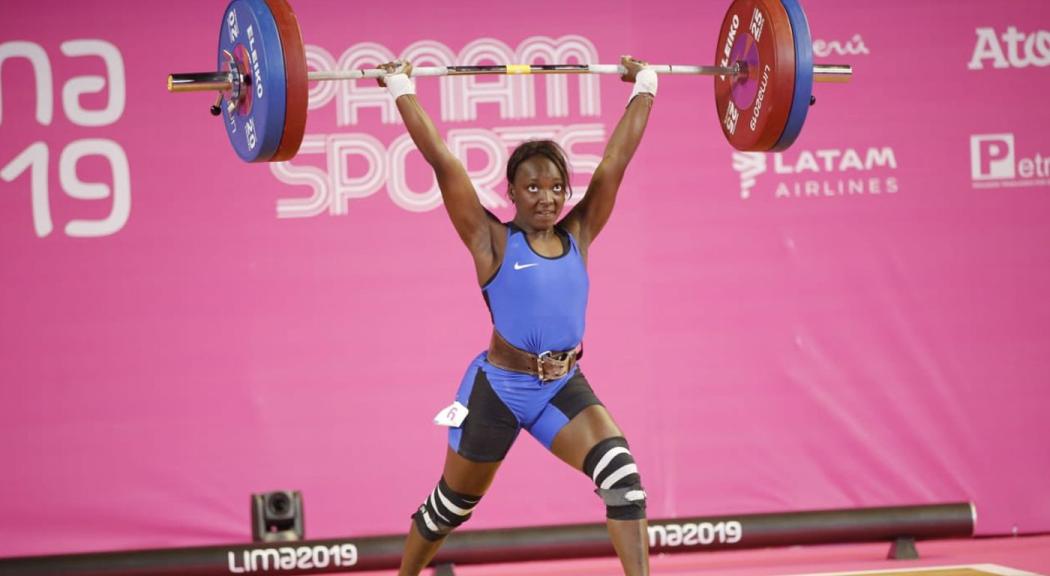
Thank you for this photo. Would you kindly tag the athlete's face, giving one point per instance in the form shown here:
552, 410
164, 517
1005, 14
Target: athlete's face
538, 193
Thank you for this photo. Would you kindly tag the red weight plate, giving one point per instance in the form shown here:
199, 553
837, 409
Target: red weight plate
753, 109
297, 85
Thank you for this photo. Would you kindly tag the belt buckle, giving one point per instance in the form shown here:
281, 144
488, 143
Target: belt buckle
539, 364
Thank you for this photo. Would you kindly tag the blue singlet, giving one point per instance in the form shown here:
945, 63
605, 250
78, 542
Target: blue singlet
538, 303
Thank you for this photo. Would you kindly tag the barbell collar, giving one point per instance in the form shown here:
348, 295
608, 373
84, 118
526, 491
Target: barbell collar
832, 73
200, 82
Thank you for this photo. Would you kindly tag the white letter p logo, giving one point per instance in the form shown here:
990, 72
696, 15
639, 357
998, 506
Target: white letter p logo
992, 157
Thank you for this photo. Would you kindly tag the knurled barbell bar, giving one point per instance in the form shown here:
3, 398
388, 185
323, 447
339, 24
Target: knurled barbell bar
763, 80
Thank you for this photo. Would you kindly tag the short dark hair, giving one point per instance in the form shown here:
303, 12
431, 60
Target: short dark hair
548, 149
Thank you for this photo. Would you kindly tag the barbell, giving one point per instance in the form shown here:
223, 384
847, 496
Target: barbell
764, 76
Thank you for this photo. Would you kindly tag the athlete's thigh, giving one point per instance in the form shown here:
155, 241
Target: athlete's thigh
467, 476
491, 426
573, 421
592, 425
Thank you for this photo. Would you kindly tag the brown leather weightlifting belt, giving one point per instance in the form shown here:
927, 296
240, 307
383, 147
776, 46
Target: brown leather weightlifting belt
547, 366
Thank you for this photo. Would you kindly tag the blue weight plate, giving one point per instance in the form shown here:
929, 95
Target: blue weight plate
803, 74
249, 33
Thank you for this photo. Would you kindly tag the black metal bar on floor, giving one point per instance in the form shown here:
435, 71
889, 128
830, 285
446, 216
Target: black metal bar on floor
923, 522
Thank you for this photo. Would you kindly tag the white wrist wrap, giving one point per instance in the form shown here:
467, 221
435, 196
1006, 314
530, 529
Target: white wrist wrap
645, 81
398, 85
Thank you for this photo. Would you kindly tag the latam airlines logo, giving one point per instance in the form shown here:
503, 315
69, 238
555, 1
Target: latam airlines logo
994, 163
828, 173
1011, 49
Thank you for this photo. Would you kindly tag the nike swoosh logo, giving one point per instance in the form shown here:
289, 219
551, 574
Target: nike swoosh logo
524, 266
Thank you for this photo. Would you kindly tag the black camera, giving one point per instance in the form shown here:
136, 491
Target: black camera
277, 516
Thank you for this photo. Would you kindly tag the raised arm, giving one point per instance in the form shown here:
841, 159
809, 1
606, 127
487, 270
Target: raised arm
588, 217
472, 222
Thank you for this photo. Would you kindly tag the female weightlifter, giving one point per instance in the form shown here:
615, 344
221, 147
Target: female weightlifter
532, 272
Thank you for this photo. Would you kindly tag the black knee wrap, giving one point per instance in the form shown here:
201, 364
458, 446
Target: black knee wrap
443, 511
612, 468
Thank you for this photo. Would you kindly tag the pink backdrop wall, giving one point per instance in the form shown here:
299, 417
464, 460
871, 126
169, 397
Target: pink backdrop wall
860, 321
